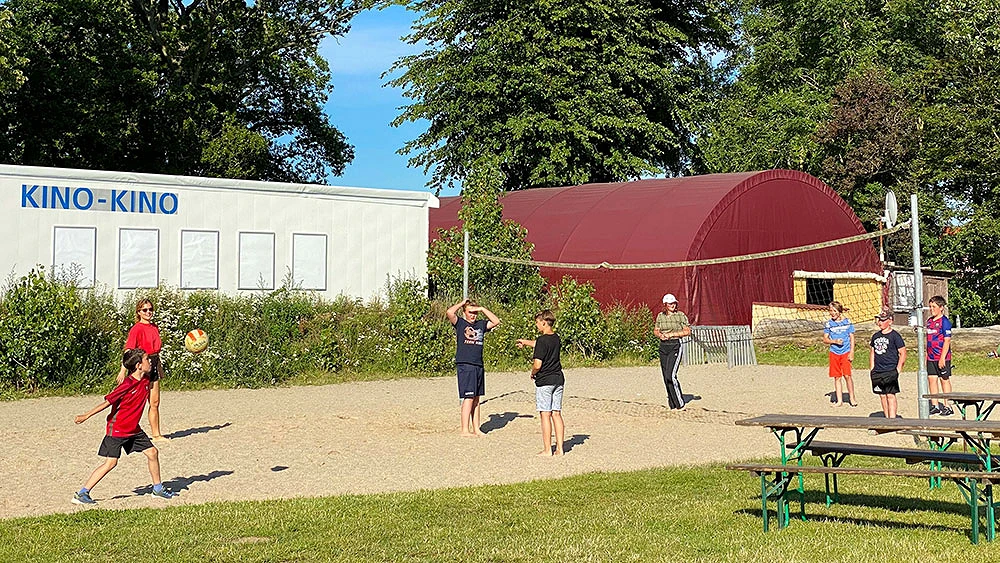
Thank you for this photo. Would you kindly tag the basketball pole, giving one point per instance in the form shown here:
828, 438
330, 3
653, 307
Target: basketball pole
465, 265
923, 406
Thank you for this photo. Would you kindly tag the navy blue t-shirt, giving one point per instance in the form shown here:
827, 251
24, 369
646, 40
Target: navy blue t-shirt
469, 341
886, 347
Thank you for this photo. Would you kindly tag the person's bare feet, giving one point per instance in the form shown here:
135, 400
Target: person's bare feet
467, 434
558, 451
544, 453
838, 404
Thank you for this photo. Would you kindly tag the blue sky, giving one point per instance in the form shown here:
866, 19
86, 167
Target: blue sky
362, 108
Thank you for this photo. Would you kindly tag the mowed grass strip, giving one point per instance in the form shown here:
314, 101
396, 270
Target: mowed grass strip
964, 363
696, 514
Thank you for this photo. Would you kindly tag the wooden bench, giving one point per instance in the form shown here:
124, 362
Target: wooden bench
777, 487
834, 453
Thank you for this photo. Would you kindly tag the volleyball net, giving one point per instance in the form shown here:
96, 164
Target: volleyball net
781, 295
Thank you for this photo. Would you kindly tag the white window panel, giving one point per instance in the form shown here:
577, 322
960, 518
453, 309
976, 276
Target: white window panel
256, 261
138, 258
309, 261
74, 254
199, 260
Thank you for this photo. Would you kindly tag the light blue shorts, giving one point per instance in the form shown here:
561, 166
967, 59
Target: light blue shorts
548, 398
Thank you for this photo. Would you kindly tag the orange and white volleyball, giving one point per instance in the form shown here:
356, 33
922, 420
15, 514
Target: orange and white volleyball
196, 341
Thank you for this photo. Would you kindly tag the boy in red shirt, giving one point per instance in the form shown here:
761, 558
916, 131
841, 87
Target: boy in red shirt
127, 402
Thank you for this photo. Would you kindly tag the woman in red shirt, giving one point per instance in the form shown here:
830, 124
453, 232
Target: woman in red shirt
146, 335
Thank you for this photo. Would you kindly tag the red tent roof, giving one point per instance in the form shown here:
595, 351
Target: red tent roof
690, 218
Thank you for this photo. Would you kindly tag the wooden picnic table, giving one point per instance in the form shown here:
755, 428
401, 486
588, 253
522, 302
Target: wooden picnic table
804, 427
977, 433
965, 399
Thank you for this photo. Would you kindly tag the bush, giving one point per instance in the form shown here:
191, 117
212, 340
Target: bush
578, 318
50, 335
55, 335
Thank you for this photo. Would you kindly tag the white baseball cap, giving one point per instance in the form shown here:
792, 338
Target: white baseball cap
669, 298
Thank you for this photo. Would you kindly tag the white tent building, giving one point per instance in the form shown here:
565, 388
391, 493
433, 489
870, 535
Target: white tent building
129, 231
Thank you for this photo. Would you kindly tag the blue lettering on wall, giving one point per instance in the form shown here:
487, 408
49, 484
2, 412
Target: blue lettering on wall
147, 202
60, 197
116, 200
37, 196
171, 199
28, 196
76, 198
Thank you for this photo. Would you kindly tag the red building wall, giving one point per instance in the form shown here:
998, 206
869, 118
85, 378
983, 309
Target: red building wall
682, 219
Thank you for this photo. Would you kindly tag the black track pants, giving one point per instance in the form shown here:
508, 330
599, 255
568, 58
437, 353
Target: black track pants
670, 361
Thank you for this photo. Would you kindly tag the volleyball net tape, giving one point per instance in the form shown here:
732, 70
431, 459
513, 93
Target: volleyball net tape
689, 263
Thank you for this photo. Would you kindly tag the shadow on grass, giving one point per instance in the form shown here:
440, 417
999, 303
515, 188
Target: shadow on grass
198, 430
898, 504
498, 421
772, 516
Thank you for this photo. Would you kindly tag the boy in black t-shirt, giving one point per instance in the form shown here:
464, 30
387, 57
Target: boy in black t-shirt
888, 355
469, 335
546, 370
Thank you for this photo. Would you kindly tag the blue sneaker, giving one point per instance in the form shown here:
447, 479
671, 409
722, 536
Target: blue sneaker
82, 498
162, 493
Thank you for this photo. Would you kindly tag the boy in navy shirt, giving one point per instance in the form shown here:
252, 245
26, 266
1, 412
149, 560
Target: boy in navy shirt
887, 359
469, 335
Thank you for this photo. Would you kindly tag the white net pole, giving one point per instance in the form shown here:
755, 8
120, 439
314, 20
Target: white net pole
918, 313
465, 265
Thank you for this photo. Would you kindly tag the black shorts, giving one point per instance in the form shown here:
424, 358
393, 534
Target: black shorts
471, 381
156, 373
934, 371
885, 382
112, 447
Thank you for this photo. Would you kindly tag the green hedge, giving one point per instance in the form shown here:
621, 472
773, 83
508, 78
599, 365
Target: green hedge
56, 336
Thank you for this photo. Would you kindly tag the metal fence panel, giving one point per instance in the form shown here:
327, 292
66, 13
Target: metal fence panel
732, 345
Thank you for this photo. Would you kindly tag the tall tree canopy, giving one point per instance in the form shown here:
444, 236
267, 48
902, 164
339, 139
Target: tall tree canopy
203, 87
10, 76
875, 95
561, 91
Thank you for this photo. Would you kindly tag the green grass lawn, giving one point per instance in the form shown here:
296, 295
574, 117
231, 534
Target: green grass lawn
694, 514
965, 363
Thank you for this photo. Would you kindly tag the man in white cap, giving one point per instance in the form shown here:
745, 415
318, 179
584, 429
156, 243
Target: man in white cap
671, 326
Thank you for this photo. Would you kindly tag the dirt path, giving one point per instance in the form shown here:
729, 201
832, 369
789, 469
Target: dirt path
402, 435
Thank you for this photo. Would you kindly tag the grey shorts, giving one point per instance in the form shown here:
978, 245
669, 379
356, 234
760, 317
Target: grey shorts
548, 398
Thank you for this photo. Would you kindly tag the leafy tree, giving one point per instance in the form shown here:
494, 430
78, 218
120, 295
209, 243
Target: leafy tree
826, 87
10, 76
869, 141
562, 92
490, 234
871, 96
214, 88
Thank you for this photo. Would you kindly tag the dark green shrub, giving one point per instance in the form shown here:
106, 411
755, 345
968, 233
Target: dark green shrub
578, 318
54, 335
47, 335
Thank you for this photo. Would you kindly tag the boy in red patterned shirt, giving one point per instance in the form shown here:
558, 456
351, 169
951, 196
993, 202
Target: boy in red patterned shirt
127, 402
